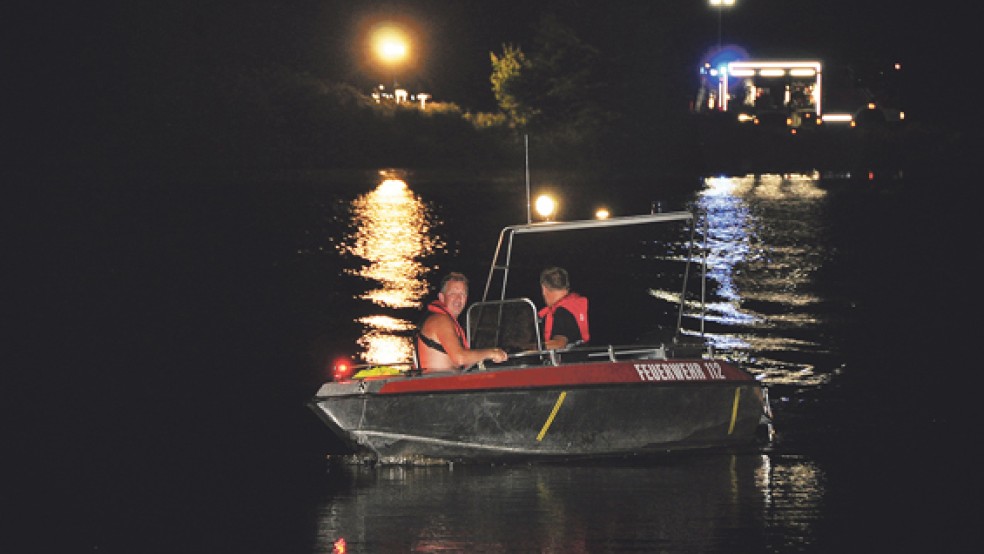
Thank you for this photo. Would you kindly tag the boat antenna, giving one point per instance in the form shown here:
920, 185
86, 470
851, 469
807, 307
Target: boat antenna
526, 150
703, 275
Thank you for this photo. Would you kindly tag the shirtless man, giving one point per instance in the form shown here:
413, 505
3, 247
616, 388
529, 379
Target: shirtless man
442, 344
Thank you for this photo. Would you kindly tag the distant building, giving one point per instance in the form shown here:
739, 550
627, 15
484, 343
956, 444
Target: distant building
399, 96
792, 88
789, 90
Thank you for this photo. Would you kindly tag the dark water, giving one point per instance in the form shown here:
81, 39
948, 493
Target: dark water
171, 331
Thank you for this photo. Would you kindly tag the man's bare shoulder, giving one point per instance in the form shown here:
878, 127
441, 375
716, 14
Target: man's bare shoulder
438, 321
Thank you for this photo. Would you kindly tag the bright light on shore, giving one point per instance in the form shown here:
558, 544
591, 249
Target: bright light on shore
391, 43
602, 213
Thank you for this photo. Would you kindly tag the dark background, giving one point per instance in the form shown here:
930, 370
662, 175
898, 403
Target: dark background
88, 81
145, 318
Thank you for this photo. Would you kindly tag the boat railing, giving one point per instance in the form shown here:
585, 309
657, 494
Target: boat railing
502, 257
513, 325
609, 353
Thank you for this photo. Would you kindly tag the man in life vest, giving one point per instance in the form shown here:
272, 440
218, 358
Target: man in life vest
565, 318
441, 343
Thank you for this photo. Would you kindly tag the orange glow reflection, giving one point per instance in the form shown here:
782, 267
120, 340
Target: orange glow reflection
392, 233
383, 342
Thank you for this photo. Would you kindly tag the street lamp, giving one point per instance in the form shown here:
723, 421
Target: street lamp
720, 5
392, 46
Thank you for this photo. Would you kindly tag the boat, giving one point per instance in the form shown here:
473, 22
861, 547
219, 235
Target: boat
583, 402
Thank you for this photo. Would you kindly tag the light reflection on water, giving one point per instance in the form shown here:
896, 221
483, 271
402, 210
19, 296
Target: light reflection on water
393, 234
764, 248
765, 238
764, 243
686, 504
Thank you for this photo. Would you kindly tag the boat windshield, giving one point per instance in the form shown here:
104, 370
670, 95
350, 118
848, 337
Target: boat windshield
507, 324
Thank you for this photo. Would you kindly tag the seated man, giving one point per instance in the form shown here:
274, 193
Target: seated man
441, 342
565, 318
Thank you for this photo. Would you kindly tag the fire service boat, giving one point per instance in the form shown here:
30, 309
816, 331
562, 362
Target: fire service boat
584, 401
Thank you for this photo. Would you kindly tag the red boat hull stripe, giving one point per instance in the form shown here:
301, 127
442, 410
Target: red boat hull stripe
638, 371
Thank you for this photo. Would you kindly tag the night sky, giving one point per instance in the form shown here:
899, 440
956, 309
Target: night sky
83, 62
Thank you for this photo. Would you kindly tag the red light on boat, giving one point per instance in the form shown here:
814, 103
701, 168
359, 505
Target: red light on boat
341, 370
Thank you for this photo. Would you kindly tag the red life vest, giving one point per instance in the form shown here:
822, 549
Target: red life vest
574, 303
438, 307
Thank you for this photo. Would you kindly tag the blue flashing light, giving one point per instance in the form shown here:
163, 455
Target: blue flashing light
721, 57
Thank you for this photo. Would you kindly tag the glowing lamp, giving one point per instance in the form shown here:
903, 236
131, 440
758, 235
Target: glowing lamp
602, 213
545, 206
342, 369
391, 43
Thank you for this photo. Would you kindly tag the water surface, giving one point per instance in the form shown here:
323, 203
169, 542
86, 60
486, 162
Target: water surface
799, 267
176, 328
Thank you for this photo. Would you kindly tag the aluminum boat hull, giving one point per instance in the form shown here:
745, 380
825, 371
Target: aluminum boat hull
580, 410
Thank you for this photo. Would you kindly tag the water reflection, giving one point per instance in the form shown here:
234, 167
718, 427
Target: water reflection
393, 233
768, 241
765, 247
703, 503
